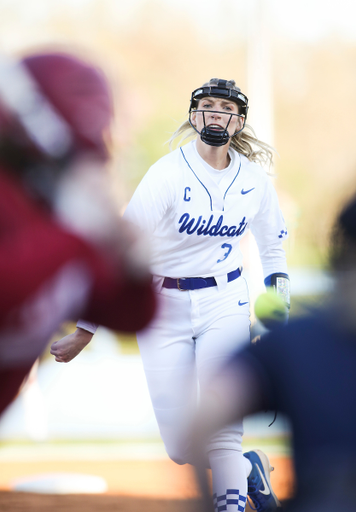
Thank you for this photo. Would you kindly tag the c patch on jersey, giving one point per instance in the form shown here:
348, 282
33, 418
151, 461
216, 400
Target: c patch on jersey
186, 194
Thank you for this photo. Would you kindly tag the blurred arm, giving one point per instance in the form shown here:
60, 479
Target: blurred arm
122, 296
34, 247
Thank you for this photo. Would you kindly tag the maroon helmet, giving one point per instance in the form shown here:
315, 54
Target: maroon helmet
52, 106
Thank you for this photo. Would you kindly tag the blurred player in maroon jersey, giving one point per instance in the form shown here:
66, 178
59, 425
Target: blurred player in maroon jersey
64, 250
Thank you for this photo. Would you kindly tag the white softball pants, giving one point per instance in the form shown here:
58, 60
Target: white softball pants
193, 334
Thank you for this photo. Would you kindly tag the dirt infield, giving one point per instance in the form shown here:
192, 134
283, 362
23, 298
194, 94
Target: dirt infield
16, 502
133, 486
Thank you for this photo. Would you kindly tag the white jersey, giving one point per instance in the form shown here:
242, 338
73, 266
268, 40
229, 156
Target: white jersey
195, 223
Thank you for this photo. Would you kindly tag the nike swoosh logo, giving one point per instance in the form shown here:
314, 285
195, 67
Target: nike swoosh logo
243, 192
266, 490
242, 303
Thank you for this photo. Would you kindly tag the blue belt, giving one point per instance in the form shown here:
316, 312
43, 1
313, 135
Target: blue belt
195, 283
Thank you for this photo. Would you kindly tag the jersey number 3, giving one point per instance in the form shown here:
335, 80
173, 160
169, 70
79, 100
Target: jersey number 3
228, 247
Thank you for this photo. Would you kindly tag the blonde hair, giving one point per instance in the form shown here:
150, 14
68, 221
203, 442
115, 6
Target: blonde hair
244, 142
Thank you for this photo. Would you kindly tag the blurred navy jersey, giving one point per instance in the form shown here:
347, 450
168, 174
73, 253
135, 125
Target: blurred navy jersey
307, 370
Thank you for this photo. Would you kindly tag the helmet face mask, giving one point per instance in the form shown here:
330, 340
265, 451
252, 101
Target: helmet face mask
221, 90
214, 137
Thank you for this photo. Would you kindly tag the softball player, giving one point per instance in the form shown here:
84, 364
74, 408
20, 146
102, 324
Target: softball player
196, 204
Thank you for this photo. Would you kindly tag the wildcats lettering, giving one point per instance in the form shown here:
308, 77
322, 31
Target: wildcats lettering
205, 228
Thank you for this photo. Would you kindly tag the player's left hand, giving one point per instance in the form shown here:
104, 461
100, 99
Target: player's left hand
71, 345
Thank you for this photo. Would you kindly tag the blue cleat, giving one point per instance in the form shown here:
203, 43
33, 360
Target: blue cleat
259, 484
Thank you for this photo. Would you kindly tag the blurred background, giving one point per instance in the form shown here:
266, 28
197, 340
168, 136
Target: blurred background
296, 62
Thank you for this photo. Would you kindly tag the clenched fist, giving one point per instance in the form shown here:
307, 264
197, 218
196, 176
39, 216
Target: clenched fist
69, 347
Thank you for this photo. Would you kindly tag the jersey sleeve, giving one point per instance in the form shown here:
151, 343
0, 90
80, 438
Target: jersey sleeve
152, 199
269, 229
87, 326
